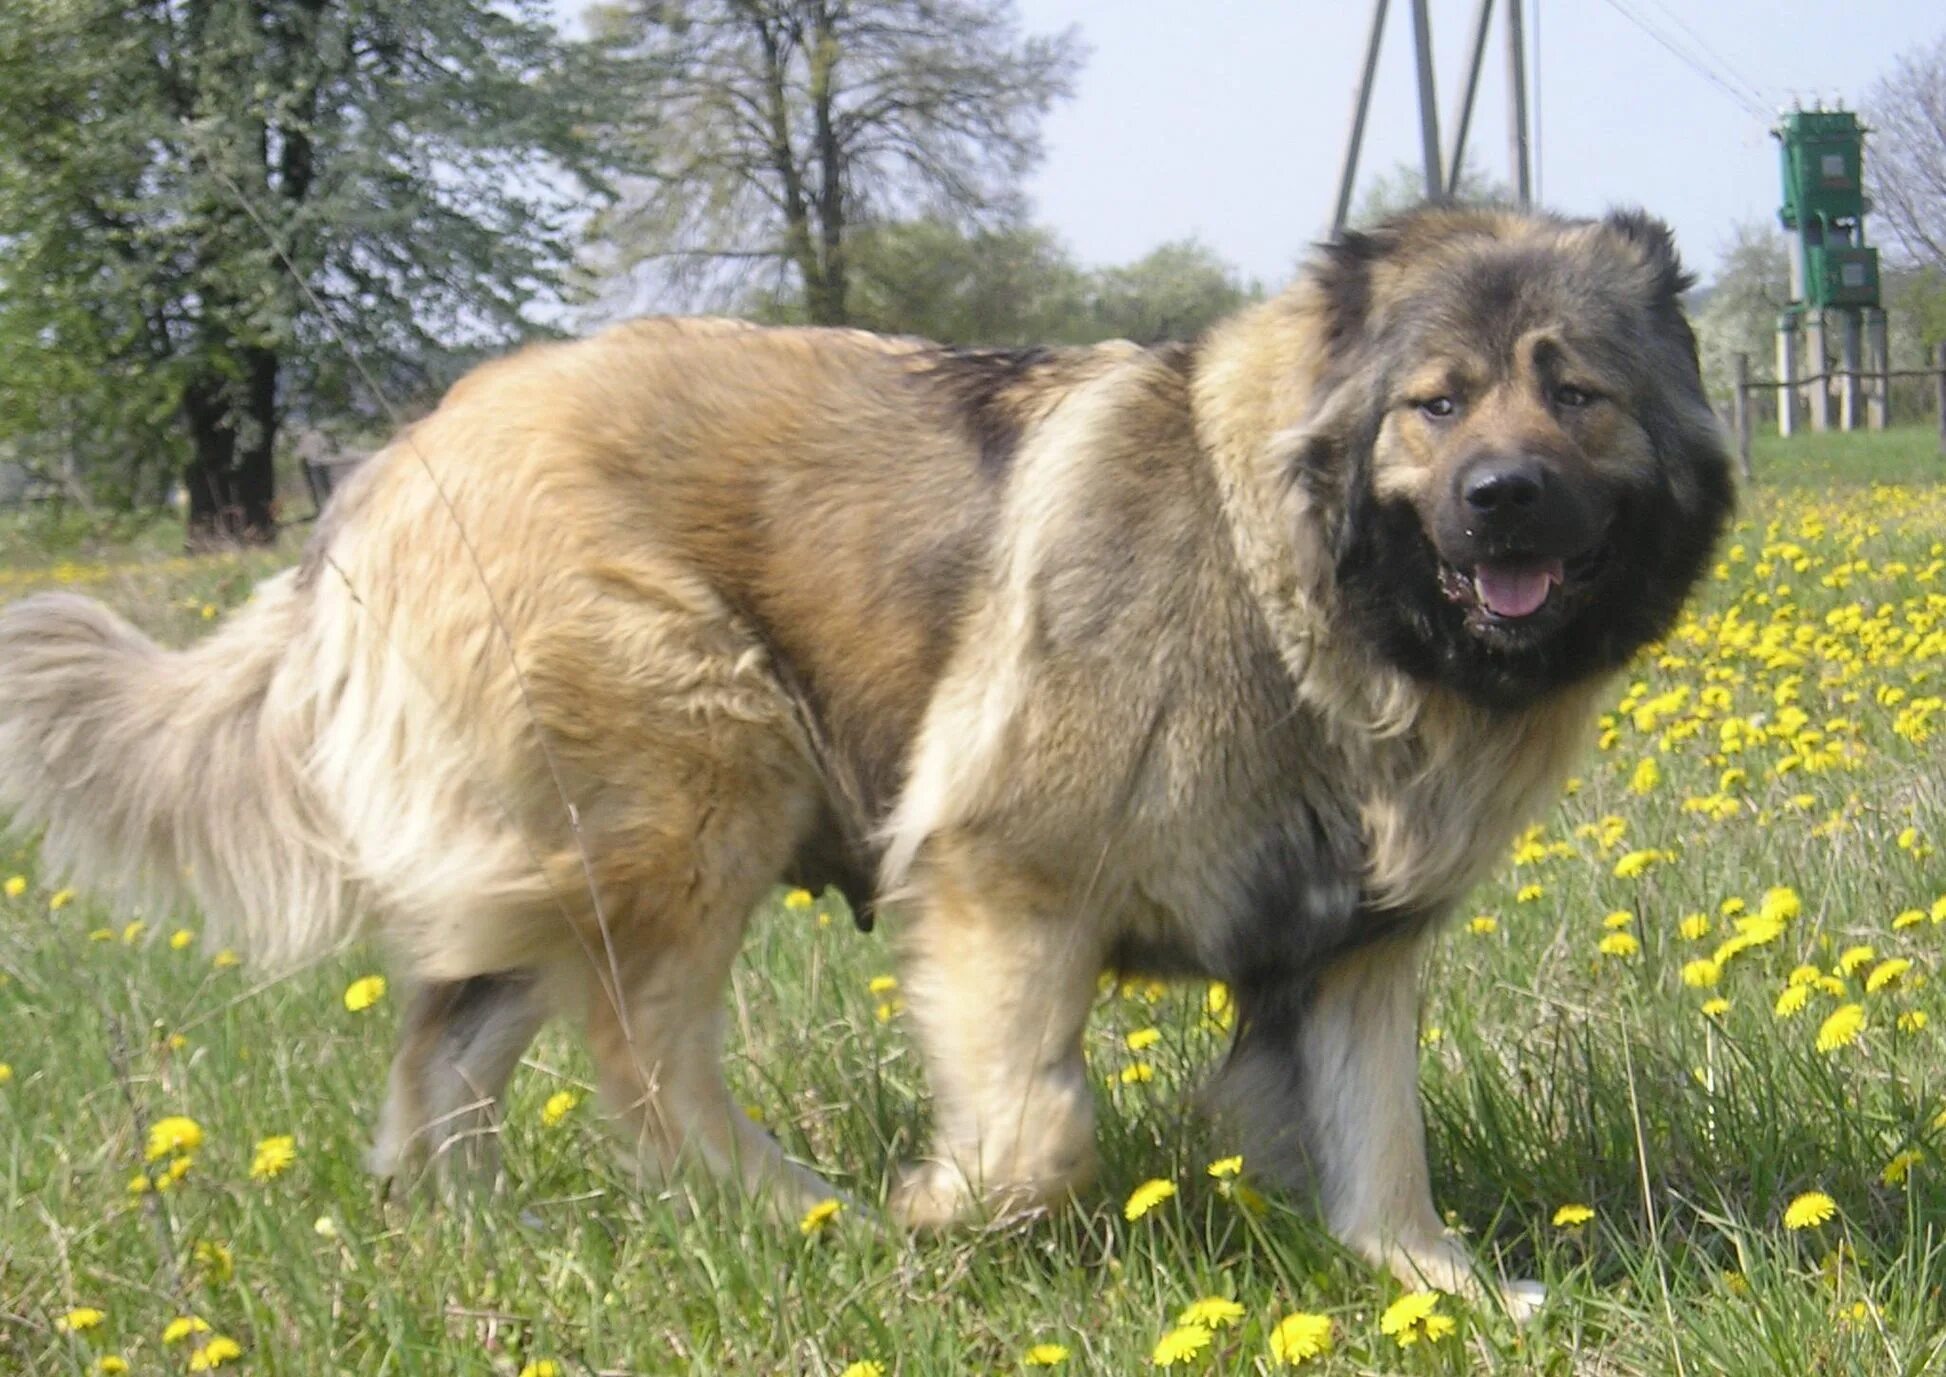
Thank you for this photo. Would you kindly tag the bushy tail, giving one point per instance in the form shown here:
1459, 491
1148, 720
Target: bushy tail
174, 779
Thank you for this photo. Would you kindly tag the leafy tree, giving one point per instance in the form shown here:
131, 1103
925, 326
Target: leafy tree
1403, 185
1906, 159
1174, 293
1007, 285
1738, 313
780, 127
212, 208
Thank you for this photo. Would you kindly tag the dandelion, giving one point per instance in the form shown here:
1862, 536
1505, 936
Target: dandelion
216, 1261
224, 959
1414, 1317
183, 1327
1218, 1007
1716, 1008
1211, 1312
16, 886
1180, 1345
1810, 1210
1901, 1166
1223, 1168
1842, 1028
272, 1156
1781, 904
1635, 863
364, 992
1142, 1038
1045, 1355
59, 900
1647, 775
133, 931
176, 1133
798, 898
559, 1105
1300, 1337
1619, 944
1618, 920
882, 984
111, 1365
818, 1216
1701, 973
1138, 1073
214, 1354
1694, 927
180, 939
1483, 925
1528, 894
1572, 1216
1146, 1197
1913, 1021
6, 1073
80, 1319
541, 1367
1852, 958
1792, 1001
1910, 918
867, 1368
1886, 973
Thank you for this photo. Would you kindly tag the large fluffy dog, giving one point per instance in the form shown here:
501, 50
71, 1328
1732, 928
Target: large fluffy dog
1242, 659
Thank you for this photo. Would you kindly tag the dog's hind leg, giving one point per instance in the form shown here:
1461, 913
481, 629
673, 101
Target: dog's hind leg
460, 1043
999, 982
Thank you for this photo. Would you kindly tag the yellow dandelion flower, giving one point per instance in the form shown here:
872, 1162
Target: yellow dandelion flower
364, 992
882, 984
80, 1319
1572, 1216
1809, 1210
1781, 904
541, 1367
1299, 1338
1225, 1167
1886, 973
225, 959
1045, 1355
1138, 1073
1211, 1312
1483, 924
868, 1368
6, 1073
217, 1262
1804, 975
1621, 944
59, 900
131, 932
214, 1354
1792, 1001
1635, 863
1618, 919
180, 938
272, 1157
182, 1327
1694, 927
1842, 1028
1913, 1021
1716, 1008
1852, 958
559, 1105
1901, 1166
1910, 918
1831, 985
799, 898
16, 886
1414, 1317
1180, 1345
1701, 973
111, 1364
139, 1184
1528, 894
818, 1216
175, 1133
101, 935
1647, 775
1142, 1038
1146, 1197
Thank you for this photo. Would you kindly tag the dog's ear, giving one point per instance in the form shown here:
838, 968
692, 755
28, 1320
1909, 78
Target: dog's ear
1342, 272
1656, 243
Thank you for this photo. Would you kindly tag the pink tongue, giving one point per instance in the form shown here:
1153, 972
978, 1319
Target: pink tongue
1515, 590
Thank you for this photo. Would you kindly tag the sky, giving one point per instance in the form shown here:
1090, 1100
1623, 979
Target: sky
1225, 120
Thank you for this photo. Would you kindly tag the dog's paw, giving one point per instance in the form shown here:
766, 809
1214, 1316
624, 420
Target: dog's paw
931, 1195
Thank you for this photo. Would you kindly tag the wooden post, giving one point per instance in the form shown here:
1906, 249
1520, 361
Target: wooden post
1878, 361
1817, 395
1851, 401
1939, 379
1786, 376
1740, 415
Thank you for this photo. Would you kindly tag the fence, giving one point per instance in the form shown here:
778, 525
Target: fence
1853, 379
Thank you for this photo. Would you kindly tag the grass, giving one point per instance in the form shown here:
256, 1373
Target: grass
1900, 454
1555, 1072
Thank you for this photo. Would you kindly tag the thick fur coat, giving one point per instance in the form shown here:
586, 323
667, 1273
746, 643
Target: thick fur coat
1242, 660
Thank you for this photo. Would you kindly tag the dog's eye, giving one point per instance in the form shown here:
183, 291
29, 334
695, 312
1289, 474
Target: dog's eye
1438, 408
1568, 395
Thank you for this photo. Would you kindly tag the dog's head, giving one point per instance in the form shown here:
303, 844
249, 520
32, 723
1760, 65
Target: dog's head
1511, 444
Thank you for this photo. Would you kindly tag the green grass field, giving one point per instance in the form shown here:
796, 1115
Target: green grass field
1707, 985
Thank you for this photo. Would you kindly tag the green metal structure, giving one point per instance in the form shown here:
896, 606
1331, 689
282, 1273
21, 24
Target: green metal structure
1823, 153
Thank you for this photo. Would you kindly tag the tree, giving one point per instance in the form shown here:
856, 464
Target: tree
211, 206
1738, 313
1174, 293
1006, 285
780, 127
1906, 159
1403, 185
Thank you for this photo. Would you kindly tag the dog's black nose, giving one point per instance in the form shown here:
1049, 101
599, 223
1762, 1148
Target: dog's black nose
1503, 487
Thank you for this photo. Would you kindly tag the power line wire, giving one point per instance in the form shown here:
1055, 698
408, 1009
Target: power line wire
1695, 64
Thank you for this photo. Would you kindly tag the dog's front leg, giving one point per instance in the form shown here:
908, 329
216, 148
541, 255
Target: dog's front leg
999, 979
1325, 1082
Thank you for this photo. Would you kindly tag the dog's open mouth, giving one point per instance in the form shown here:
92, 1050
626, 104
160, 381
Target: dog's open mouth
1519, 593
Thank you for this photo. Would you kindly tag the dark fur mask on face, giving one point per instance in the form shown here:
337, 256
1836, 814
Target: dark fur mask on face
1393, 587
